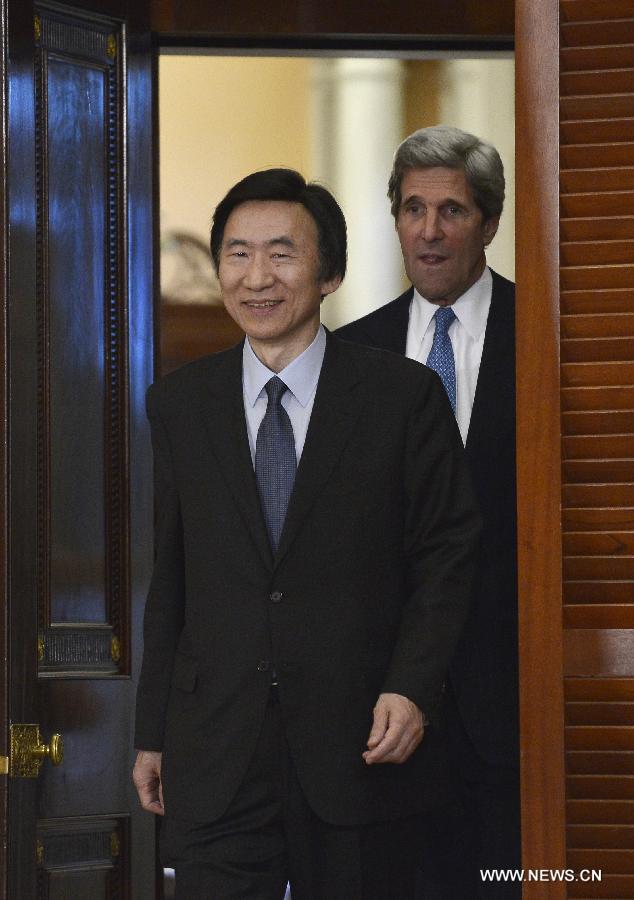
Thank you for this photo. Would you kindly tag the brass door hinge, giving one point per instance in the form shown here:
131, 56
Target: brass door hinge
4, 765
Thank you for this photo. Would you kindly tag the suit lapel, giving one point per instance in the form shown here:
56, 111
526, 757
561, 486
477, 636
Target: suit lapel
226, 427
332, 422
497, 367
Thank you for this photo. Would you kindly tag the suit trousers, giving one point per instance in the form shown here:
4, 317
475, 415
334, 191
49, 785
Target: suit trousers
480, 831
269, 836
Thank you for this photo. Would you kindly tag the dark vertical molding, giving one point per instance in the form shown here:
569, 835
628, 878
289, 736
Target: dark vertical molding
21, 368
4, 621
117, 367
142, 227
98, 43
539, 442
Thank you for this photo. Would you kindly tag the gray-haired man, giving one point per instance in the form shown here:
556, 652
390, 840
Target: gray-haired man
447, 192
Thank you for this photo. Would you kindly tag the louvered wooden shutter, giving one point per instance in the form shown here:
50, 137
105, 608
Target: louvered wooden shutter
596, 394
575, 66
597, 401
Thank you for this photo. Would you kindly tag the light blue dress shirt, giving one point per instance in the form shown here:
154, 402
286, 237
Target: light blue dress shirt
300, 377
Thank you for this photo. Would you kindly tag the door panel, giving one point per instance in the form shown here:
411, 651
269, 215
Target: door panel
80, 312
82, 414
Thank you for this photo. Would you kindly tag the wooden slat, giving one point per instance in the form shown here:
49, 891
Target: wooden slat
599, 349
599, 495
578, 59
610, 887
599, 615
599, 33
608, 106
617, 203
612, 446
581, 156
599, 652
600, 568
593, 713
610, 228
604, 325
597, 277
619, 81
599, 812
593, 593
593, 10
597, 301
598, 544
596, 131
600, 787
600, 836
591, 374
578, 424
606, 689
597, 253
586, 399
589, 471
615, 861
600, 762
605, 519
604, 737
597, 446
573, 181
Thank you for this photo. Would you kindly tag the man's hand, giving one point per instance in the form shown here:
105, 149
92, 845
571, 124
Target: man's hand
397, 730
147, 781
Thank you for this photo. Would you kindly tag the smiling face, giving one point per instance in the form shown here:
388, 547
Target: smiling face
268, 272
442, 233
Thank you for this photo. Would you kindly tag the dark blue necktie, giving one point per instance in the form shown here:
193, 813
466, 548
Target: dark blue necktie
441, 358
275, 460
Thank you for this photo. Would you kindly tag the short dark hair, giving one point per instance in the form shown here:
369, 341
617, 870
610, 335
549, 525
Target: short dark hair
289, 186
444, 145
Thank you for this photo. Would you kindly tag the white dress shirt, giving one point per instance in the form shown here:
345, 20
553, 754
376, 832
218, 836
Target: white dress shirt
466, 333
300, 377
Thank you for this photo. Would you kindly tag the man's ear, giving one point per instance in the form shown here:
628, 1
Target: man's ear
490, 229
330, 286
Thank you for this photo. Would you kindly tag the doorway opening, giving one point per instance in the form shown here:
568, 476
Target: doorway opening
338, 120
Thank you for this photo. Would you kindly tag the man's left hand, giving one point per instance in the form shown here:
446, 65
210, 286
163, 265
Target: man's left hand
397, 730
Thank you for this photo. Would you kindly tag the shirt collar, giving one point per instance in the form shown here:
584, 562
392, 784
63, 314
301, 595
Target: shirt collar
471, 309
300, 376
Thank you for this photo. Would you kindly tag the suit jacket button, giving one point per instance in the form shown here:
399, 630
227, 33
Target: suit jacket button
275, 597
263, 665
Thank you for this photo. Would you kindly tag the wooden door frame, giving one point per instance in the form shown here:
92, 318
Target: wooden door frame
539, 441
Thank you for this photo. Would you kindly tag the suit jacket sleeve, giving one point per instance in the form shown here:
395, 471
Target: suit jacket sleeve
442, 527
164, 610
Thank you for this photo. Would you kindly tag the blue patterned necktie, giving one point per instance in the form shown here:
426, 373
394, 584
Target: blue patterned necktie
275, 460
441, 358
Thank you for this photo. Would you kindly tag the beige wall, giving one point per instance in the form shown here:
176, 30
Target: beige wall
219, 119
222, 117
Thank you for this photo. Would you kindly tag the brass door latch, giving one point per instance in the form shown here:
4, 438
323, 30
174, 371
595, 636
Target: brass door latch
28, 752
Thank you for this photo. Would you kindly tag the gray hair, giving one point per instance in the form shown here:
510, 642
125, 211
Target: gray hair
451, 148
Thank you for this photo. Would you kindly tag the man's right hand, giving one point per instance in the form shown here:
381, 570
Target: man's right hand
147, 781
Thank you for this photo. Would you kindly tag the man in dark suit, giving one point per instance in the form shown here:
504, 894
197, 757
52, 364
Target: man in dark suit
447, 192
315, 536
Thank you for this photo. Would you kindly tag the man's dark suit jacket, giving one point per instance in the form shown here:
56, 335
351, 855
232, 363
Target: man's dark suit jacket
484, 670
367, 593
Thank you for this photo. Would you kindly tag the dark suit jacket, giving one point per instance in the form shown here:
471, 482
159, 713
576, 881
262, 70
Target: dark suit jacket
367, 593
484, 669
